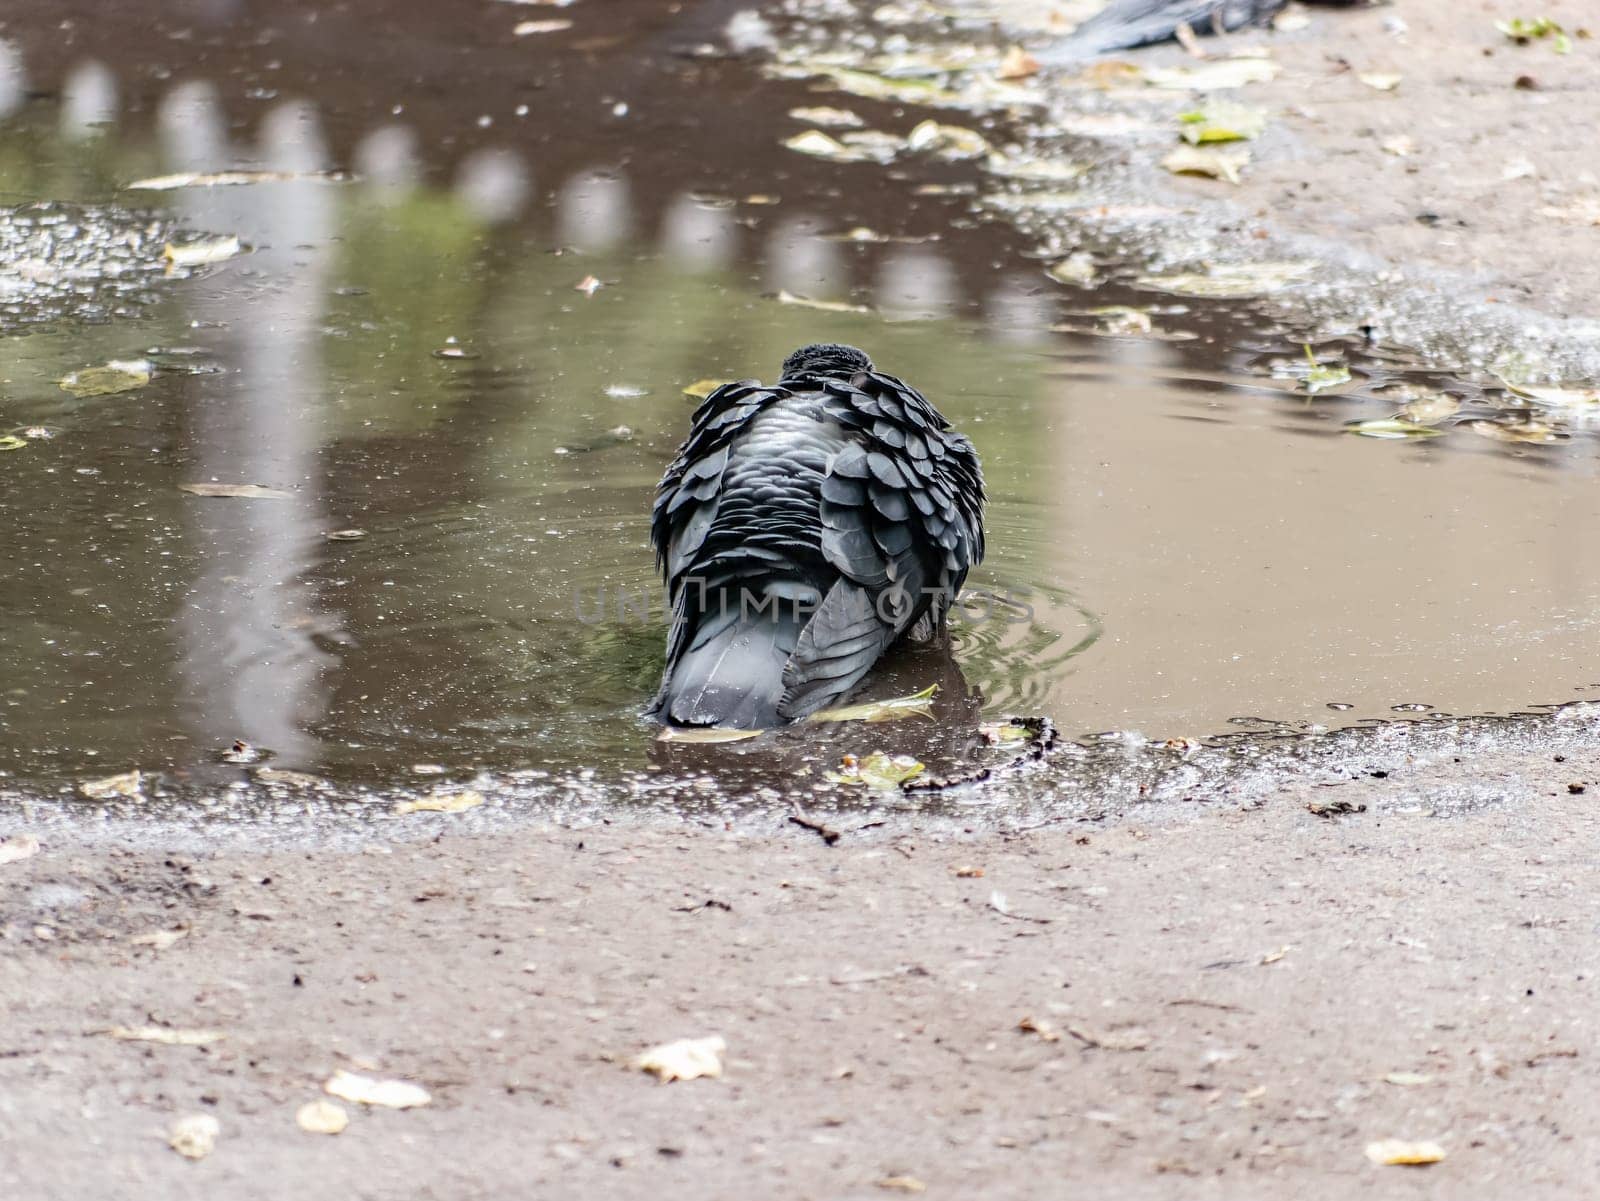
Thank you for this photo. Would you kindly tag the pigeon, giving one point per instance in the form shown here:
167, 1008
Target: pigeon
803, 529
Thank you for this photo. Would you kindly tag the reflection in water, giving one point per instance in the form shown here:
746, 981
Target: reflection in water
799, 261
593, 211
493, 185
387, 160
88, 101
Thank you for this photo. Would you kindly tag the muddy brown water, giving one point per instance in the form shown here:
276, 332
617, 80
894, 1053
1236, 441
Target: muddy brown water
457, 573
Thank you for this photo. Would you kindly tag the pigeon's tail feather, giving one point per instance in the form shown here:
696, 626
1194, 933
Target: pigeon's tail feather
1126, 24
731, 674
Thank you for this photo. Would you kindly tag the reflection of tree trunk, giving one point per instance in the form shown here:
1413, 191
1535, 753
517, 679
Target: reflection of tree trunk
250, 666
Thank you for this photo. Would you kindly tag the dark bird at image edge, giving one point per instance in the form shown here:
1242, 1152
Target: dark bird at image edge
804, 528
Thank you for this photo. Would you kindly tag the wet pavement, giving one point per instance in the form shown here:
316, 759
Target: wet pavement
455, 347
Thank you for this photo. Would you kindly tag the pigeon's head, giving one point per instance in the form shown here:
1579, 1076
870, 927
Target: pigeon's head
825, 358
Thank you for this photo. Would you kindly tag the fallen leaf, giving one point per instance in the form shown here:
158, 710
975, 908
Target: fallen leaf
969, 872
129, 784
1319, 377
225, 179
1430, 408
588, 285
364, 1090
160, 940
1400, 145
1523, 30
878, 771
1017, 64
1222, 121
1274, 956
1214, 76
1392, 428
523, 28
442, 802
195, 1136
835, 118
350, 535
1122, 319
952, 142
686, 1059
1002, 733
1379, 80
207, 250
1407, 1079
918, 704
321, 1117
1217, 163
1112, 73
288, 779
703, 735
820, 145
1393, 1151
119, 375
1558, 398
236, 491
826, 306
1516, 431
902, 1184
702, 388
11, 442
1041, 170
1046, 1032
1079, 268
18, 847
166, 1035
1232, 279
881, 87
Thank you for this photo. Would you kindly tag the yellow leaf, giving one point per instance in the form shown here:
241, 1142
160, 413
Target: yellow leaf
1391, 1152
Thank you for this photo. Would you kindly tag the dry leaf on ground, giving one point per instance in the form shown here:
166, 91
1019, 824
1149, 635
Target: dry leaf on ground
686, 1059
195, 1136
364, 1090
1392, 1152
321, 1117
18, 847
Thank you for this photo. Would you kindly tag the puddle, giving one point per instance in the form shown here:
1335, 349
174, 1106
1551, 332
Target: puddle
465, 440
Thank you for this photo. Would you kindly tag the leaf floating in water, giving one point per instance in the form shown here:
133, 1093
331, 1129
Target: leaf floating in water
1122, 319
588, 285
1516, 431
1558, 398
524, 28
1214, 76
1393, 1152
918, 704
702, 388
1218, 164
953, 142
878, 771
442, 802
321, 1117
129, 785
1232, 279
1430, 408
1043, 170
820, 145
1380, 81
1004, 733
1391, 427
351, 535
1222, 121
195, 1136
119, 375
197, 254
834, 118
881, 87
231, 179
704, 735
364, 1090
11, 442
826, 306
1079, 269
1321, 376
686, 1059
236, 491
277, 777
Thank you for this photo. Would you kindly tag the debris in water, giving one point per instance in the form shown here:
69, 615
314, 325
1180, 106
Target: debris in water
275, 776
129, 785
820, 145
1558, 398
1516, 431
11, 442
119, 375
1078, 268
1004, 733
1430, 408
321, 1117
826, 306
952, 142
442, 802
350, 535
1232, 279
364, 1090
1222, 121
524, 28
918, 704
702, 388
878, 771
588, 285
1392, 1152
207, 250
834, 118
1217, 163
703, 735
195, 1136
231, 179
1392, 428
686, 1059
1041, 170
17, 848
1321, 376
235, 491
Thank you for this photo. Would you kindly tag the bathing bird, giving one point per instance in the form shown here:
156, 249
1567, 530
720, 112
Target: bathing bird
804, 528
